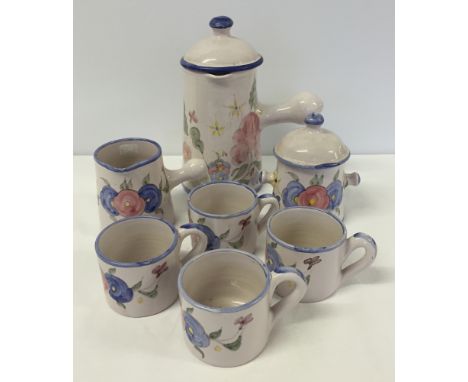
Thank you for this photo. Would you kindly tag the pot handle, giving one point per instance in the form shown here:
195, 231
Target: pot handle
294, 110
194, 169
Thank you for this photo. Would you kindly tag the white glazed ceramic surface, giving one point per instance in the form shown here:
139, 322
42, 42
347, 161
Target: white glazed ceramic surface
228, 213
222, 118
227, 305
132, 180
314, 242
139, 261
310, 168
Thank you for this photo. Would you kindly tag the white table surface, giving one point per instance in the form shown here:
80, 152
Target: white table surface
349, 337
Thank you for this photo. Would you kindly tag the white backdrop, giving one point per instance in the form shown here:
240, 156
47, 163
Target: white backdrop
128, 81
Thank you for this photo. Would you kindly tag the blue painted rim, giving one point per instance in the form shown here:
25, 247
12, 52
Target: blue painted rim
292, 247
136, 263
311, 167
221, 22
233, 252
222, 216
220, 70
134, 166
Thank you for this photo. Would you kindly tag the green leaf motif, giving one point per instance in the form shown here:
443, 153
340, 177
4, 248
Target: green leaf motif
257, 164
105, 181
307, 279
194, 134
335, 177
199, 146
239, 172
201, 220
151, 294
121, 305
201, 352
293, 176
234, 345
214, 335
224, 235
237, 244
273, 244
189, 310
253, 95
185, 123
111, 271
244, 181
146, 179
137, 285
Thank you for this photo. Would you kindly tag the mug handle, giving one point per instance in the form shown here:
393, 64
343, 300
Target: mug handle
359, 240
198, 248
264, 200
193, 169
282, 274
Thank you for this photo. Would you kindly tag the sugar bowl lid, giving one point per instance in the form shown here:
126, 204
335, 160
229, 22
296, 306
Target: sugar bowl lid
312, 146
221, 53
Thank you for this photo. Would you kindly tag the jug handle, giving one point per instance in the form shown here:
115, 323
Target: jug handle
294, 110
194, 169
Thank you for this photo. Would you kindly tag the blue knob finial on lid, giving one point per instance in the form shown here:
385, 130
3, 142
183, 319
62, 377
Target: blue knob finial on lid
221, 22
315, 119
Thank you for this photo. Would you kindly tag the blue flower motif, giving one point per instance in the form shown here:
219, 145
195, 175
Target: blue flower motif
213, 241
273, 259
118, 289
292, 190
219, 170
335, 193
152, 197
106, 196
195, 332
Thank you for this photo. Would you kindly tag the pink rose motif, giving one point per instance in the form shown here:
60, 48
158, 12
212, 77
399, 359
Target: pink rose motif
187, 152
128, 203
243, 321
246, 138
314, 196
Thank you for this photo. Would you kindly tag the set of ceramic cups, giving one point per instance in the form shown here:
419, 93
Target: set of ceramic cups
226, 293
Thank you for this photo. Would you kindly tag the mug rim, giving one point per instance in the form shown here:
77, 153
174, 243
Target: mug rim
295, 248
231, 309
222, 216
134, 264
134, 166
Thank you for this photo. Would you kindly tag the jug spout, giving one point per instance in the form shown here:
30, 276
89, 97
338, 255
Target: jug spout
294, 110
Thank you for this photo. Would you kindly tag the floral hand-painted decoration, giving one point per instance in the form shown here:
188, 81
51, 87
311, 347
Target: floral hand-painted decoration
197, 335
122, 293
219, 169
295, 194
213, 240
235, 109
245, 222
193, 117
246, 149
275, 264
216, 129
187, 152
311, 261
128, 202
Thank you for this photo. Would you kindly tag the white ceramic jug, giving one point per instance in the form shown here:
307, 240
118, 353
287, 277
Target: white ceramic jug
222, 118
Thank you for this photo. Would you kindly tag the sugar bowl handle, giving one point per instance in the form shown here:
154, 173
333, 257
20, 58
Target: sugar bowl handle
294, 110
194, 169
352, 179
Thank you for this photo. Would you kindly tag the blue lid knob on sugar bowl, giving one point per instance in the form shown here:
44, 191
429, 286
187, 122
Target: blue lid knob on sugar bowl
310, 168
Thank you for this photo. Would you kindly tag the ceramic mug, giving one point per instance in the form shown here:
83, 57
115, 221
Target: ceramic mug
132, 180
315, 242
226, 297
139, 260
228, 213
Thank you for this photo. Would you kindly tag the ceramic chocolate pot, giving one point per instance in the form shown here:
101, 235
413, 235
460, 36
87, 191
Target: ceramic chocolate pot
222, 117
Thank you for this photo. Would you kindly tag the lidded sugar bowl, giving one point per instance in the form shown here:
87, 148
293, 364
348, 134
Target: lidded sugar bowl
222, 117
310, 168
